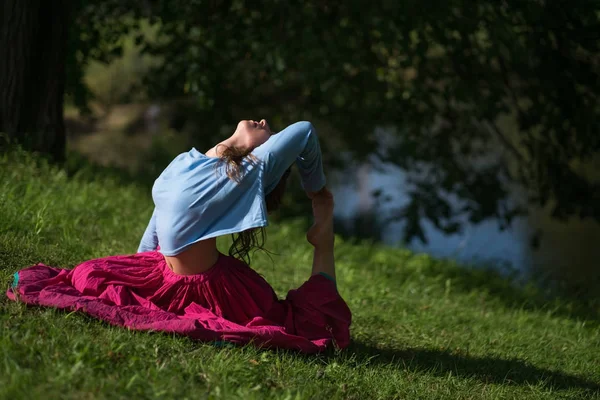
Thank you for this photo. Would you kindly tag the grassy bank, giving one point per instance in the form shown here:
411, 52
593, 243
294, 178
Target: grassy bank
422, 328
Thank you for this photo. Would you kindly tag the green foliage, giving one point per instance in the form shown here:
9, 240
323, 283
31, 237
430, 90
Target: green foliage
121, 80
440, 76
422, 328
95, 34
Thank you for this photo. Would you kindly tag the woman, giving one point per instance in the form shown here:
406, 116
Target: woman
179, 282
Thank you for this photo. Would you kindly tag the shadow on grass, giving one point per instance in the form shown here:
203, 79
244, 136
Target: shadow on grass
485, 369
533, 295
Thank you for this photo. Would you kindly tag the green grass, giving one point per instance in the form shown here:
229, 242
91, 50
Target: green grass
422, 328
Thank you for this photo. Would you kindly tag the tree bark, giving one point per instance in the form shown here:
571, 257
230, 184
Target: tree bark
33, 45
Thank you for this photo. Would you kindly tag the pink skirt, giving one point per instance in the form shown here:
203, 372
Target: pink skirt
229, 302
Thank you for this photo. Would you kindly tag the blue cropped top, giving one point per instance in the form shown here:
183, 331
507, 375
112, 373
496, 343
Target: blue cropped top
195, 200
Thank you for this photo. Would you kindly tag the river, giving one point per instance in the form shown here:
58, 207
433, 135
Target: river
565, 249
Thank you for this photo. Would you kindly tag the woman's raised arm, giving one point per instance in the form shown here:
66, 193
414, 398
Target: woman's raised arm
298, 142
149, 241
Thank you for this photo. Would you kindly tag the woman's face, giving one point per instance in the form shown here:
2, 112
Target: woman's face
253, 133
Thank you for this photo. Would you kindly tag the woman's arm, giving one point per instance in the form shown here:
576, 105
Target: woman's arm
298, 142
149, 240
321, 234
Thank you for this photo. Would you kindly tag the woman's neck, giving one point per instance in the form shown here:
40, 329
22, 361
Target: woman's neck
231, 142
198, 258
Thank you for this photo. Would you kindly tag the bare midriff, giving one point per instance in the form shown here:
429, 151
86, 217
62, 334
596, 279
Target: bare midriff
196, 259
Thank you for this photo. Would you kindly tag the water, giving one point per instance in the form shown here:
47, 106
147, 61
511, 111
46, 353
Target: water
482, 243
568, 250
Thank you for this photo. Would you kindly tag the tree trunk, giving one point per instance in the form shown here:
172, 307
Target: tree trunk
33, 44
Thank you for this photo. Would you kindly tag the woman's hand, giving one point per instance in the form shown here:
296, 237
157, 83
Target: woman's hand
321, 233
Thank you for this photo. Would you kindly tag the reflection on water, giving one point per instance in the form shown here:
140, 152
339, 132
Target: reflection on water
567, 250
481, 243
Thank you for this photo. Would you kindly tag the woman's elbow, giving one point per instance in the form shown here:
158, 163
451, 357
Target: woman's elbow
306, 126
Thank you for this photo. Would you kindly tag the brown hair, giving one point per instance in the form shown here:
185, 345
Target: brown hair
251, 239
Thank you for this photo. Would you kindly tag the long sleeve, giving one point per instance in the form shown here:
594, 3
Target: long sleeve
149, 241
298, 142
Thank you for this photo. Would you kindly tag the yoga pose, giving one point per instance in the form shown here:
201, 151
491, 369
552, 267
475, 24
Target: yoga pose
179, 281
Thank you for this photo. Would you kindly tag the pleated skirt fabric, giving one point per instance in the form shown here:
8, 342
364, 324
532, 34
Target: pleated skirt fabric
229, 302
